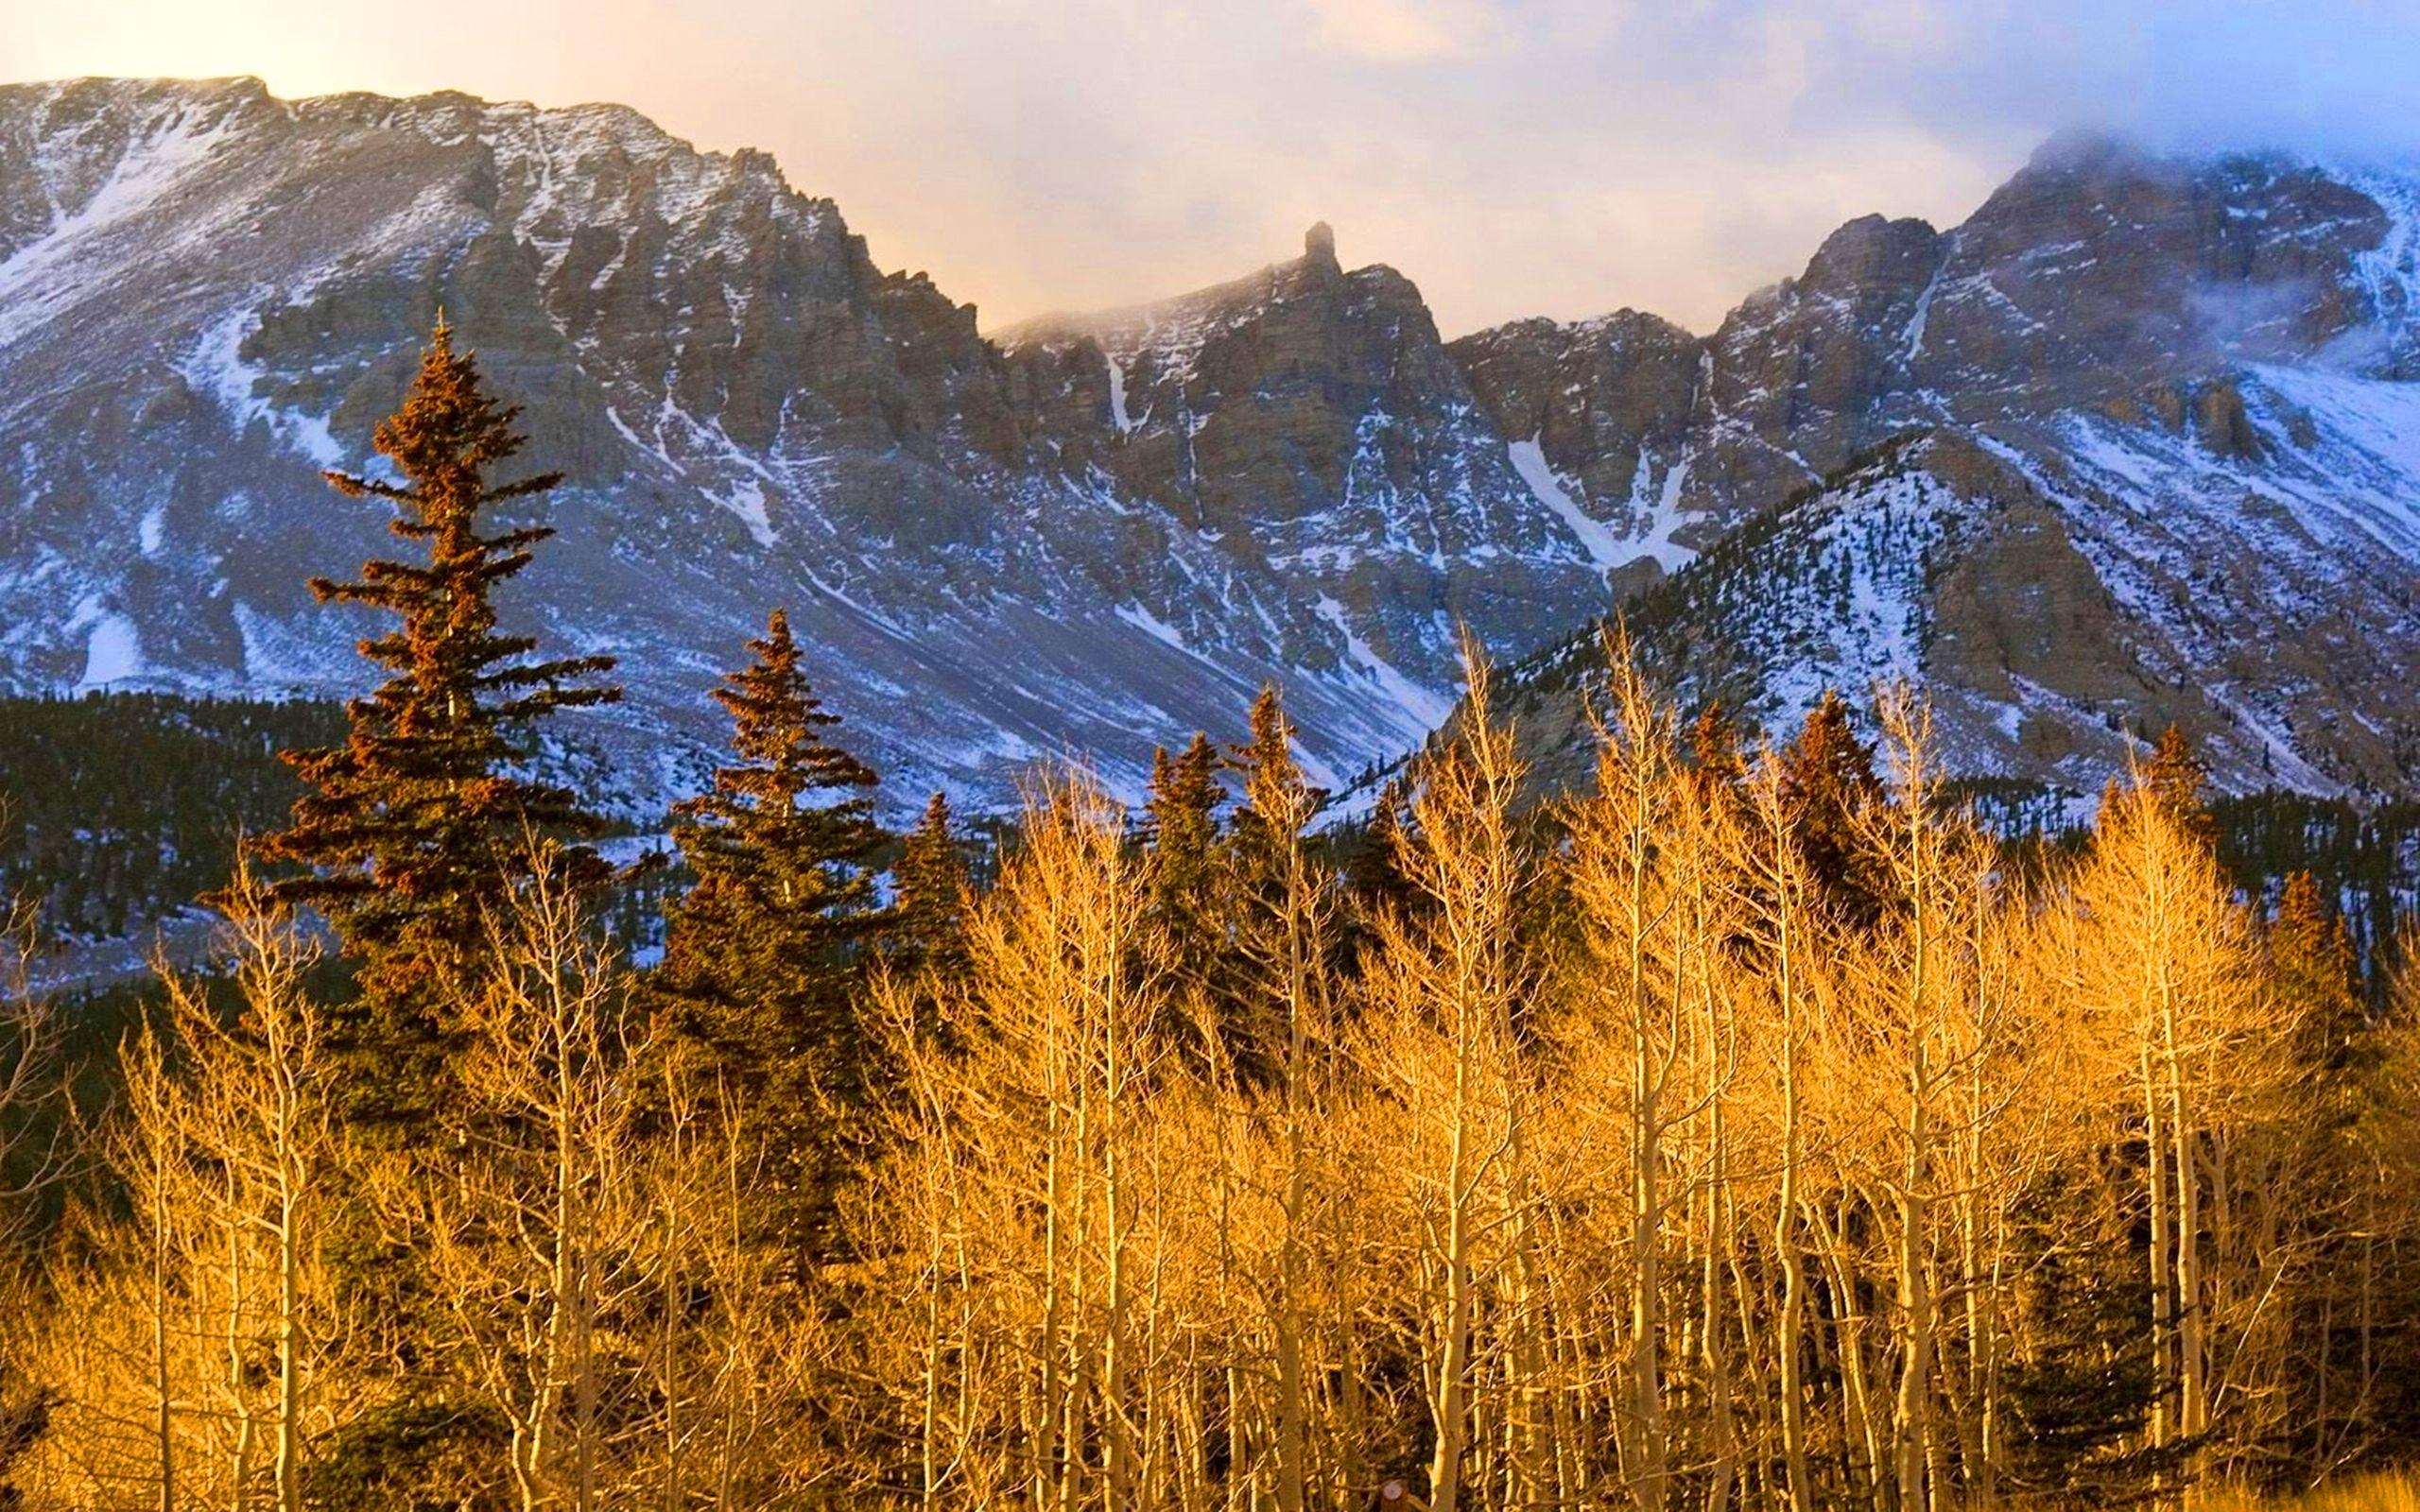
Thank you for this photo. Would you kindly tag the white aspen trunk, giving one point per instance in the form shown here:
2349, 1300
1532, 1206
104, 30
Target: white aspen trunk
1119, 1487
1789, 1346
1446, 1410
1915, 1305
288, 1469
2193, 1405
239, 1396
2162, 1256
163, 1399
1649, 1472
1291, 1428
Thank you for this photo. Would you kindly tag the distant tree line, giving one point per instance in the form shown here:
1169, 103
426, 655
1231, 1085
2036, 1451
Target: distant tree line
117, 807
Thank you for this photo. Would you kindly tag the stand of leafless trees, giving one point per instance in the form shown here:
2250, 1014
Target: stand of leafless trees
1676, 1146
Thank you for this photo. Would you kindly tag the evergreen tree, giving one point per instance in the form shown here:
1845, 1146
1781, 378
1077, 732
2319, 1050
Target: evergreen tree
1714, 746
1374, 870
1276, 799
419, 822
1277, 803
2312, 957
2178, 782
1827, 783
929, 912
1181, 823
762, 955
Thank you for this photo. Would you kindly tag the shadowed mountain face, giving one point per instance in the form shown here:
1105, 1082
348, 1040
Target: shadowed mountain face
2179, 398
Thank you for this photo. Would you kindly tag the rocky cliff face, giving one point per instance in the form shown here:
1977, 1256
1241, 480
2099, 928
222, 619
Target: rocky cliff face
1083, 543
2137, 443
1308, 422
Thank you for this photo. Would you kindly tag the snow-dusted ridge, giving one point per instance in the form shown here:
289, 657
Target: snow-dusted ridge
207, 294
2174, 453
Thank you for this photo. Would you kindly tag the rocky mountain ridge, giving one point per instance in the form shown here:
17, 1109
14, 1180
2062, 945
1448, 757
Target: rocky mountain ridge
2137, 443
2173, 399
999, 551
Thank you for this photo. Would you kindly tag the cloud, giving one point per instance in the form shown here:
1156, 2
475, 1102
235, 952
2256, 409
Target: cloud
1514, 157
1407, 31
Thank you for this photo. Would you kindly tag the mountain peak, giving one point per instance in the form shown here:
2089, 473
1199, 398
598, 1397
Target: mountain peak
1318, 243
2076, 148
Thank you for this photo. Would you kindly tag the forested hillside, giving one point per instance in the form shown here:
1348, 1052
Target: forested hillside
119, 808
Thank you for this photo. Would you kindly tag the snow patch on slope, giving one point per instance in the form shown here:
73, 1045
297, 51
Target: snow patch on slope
1608, 549
112, 650
1529, 459
215, 368
1427, 710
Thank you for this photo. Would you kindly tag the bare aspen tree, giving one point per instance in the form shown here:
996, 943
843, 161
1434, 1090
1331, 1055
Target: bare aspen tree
1777, 891
530, 1220
257, 1109
2163, 958
1063, 1030
1632, 907
1727, 1135
1443, 991
36, 1152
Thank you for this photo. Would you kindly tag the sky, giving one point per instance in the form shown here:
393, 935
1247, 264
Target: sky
1514, 156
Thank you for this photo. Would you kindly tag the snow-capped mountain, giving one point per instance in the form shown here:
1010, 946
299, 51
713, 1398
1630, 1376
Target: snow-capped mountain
1072, 544
2172, 411
2137, 443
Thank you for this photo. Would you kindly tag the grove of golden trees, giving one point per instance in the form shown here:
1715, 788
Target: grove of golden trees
1750, 1130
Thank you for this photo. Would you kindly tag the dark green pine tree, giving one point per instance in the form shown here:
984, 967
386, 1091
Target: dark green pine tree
2318, 980
1714, 747
762, 955
1278, 803
928, 913
1181, 825
2331, 1143
1374, 870
414, 825
1828, 782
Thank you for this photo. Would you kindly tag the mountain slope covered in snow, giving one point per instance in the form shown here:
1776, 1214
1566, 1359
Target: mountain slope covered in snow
2138, 441
208, 294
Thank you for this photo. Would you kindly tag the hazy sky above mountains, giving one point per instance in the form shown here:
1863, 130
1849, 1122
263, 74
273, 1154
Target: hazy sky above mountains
1514, 157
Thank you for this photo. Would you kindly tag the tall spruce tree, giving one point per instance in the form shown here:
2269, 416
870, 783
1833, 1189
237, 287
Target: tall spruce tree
1827, 782
2180, 783
415, 825
1715, 749
1278, 803
1373, 859
930, 911
1277, 798
1182, 827
762, 953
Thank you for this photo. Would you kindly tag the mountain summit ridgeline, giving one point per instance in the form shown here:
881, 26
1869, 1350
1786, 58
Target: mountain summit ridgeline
2137, 442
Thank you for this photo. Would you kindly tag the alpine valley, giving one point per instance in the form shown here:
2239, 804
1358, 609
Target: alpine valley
2136, 444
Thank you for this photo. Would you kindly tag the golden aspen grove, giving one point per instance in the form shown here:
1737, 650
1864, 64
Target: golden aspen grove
1751, 1128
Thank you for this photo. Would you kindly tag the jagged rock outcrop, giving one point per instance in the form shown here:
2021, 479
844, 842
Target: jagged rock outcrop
1308, 421
2098, 275
1606, 404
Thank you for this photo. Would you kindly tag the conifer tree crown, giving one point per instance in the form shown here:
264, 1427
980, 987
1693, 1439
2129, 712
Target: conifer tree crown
411, 829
